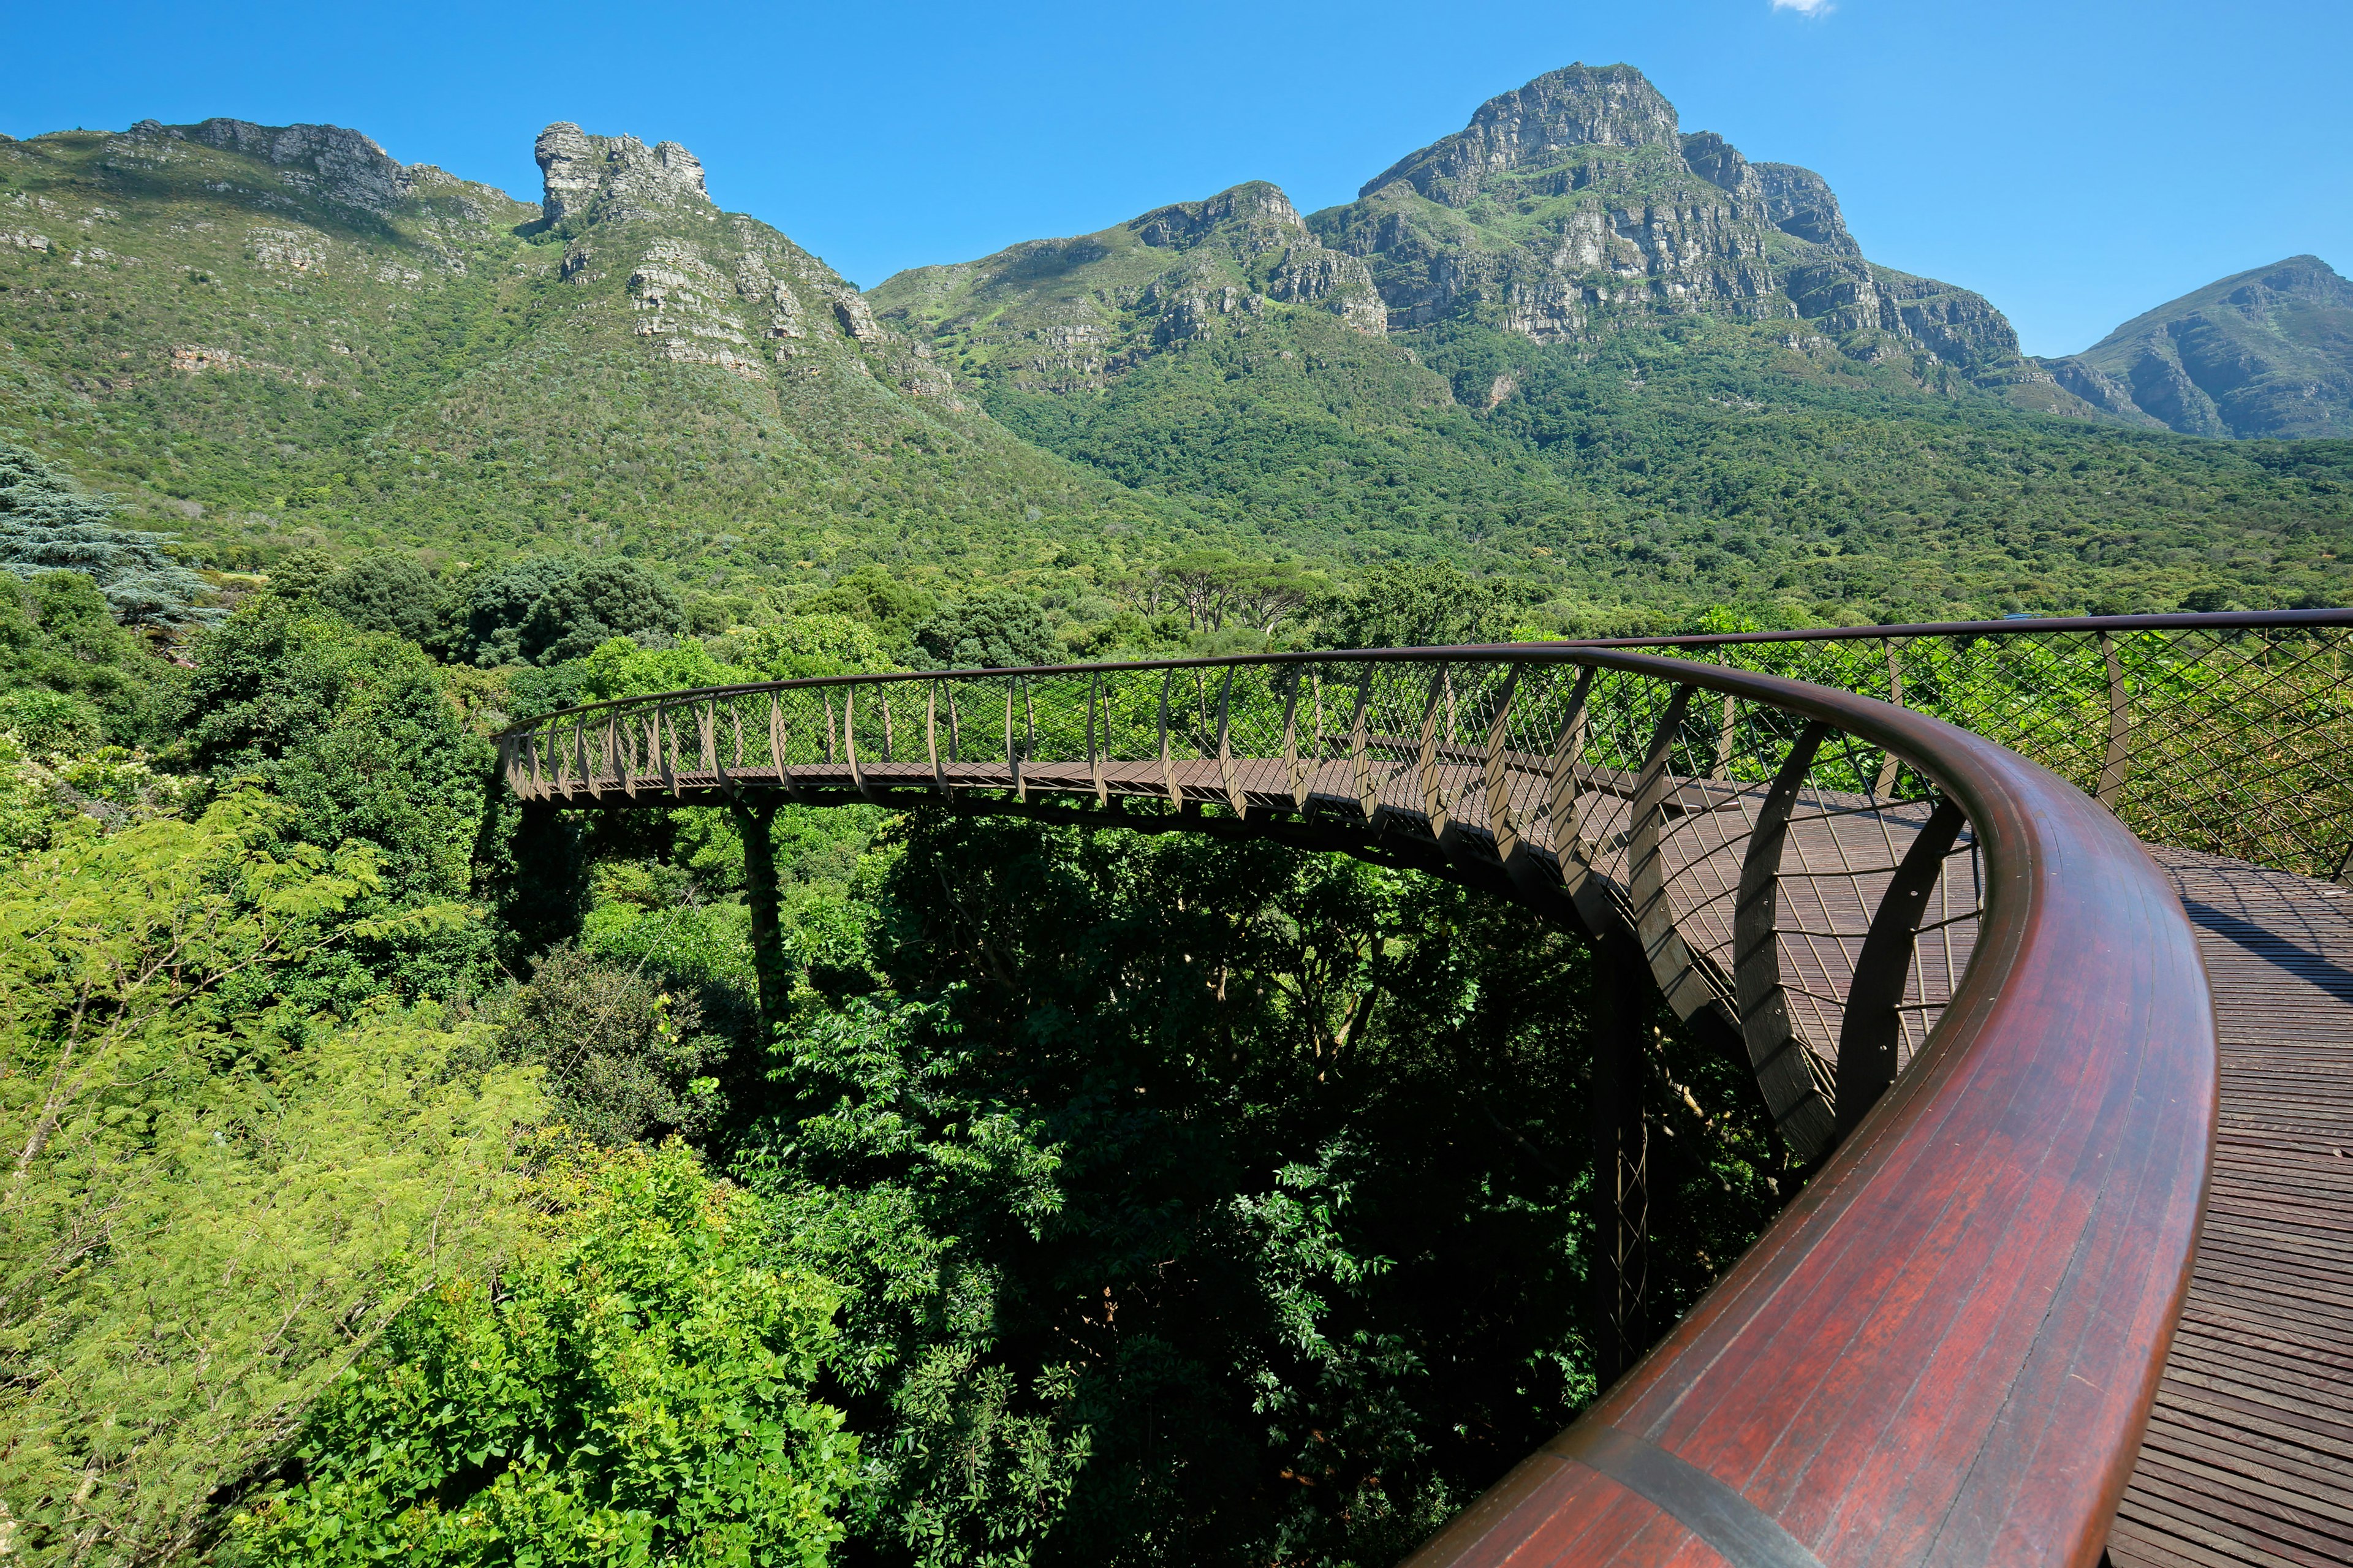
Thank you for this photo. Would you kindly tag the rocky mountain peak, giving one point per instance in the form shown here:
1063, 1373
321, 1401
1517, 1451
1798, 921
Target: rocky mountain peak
339, 164
1577, 106
1254, 205
614, 176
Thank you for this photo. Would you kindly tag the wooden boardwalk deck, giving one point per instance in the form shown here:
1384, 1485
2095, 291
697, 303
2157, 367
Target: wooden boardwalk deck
2248, 1457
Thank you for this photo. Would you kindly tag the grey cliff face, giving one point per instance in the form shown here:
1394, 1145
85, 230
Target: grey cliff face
1578, 106
1576, 206
326, 160
614, 176
706, 288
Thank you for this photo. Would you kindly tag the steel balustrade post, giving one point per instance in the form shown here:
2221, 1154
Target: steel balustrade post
1720, 767
932, 736
1501, 825
1781, 1062
1096, 753
1168, 766
669, 733
1433, 802
1873, 1027
779, 746
1012, 757
1686, 984
1225, 750
849, 740
1291, 771
2118, 761
1360, 761
1885, 780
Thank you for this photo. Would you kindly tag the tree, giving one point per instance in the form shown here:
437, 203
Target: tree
391, 594
355, 730
214, 1201
546, 609
997, 628
1423, 606
894, 609
58, 634
47, 525
634, 1389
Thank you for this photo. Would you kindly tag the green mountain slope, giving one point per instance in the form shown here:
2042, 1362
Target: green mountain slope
264, 333
2268, 352
1214, 351
1621, 360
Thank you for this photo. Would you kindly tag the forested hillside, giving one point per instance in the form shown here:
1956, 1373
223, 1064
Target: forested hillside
268, 337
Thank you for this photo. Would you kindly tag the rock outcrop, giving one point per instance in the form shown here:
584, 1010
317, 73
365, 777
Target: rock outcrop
614, 176
1576, 206
705, 287
326, 160
1065, 314
2264, 352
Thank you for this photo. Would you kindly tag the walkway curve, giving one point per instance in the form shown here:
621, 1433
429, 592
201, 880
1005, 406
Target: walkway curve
1947, 1348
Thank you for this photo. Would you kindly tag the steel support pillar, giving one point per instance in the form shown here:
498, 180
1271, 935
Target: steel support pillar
1622, 998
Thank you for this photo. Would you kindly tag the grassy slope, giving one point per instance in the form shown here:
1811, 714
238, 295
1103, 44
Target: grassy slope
427, 378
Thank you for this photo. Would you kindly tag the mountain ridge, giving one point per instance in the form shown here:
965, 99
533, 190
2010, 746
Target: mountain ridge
2263, 352
278, 337
272, 335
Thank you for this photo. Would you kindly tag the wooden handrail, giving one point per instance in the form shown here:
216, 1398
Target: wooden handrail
1944, 1349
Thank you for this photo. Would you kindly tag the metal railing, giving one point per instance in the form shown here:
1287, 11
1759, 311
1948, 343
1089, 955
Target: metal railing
2229, 733
1941, 963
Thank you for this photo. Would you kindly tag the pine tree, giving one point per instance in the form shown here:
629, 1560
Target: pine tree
49, 525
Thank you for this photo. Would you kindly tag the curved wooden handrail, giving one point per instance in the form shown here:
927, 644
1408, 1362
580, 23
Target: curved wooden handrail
1944, 1349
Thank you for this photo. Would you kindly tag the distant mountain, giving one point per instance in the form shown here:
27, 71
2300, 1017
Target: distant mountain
268, 333
2266, 353
1577, 204
1573, 343
1570, 345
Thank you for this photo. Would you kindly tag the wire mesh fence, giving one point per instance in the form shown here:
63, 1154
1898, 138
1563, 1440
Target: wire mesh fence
2230, 735
1748, 849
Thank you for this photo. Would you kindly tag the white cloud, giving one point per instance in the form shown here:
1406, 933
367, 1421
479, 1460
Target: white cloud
1805, 7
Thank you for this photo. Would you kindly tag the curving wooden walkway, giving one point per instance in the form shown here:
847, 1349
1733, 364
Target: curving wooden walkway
2249, 1456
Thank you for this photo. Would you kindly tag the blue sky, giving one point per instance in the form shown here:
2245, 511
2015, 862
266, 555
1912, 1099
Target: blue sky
2077, 161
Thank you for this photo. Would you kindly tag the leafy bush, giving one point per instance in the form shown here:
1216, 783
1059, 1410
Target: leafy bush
634, 1390
624, 1059
391, 594
997, 628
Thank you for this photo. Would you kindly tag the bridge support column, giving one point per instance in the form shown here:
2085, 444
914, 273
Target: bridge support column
768, 967
1622, 998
